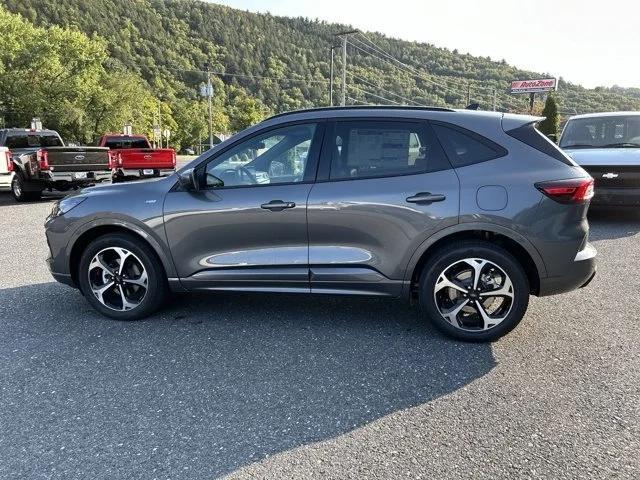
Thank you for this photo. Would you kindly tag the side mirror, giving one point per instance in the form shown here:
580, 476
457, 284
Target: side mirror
188, 180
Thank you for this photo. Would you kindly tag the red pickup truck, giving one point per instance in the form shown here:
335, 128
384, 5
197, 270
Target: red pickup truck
134, 158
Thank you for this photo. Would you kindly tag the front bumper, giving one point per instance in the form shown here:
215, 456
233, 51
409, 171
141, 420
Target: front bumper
579, 275
621, 196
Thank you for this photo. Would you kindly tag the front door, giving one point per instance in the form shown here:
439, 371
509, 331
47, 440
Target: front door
383, 188
246, 226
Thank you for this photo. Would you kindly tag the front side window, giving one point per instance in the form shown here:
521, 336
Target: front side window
602, 132
275, 157
365, 149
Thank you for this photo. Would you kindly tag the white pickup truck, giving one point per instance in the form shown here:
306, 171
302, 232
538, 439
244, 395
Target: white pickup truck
6, 169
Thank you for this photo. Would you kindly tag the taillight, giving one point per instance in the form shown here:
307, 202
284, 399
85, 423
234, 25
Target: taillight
43, 159
9, 158
579, 190
174, 158
112, 160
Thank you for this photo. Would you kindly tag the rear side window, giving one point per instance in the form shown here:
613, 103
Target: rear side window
464, 147
367, 149
531, 136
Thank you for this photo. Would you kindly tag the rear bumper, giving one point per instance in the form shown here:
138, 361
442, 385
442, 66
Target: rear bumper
73, 177
5, 181
625, 196
140, 172
579, 275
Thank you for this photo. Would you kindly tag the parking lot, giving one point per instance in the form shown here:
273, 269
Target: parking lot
264, 386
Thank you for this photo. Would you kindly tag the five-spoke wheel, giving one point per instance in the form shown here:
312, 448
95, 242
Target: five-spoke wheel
122, 277
118, 278
474, 291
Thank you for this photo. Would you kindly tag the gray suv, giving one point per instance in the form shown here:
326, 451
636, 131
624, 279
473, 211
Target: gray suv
466, 212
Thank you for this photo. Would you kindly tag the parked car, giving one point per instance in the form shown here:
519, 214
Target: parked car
6, 169
607, 145
135, 159
41, 161
466, 212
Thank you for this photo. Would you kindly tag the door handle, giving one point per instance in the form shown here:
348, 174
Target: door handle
277, 205
426, 197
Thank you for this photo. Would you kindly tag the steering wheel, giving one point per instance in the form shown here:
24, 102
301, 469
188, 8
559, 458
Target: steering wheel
252, 178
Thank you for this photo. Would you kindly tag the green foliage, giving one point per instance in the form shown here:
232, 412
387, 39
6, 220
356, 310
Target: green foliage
270, 64
549, 126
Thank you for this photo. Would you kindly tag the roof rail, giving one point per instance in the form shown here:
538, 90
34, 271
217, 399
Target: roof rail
363, 107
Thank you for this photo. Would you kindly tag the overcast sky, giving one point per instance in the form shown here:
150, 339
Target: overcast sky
585, 41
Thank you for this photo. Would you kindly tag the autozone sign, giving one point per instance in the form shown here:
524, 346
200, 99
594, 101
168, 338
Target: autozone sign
534, 86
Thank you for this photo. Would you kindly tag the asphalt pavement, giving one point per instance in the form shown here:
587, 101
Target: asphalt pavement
282, 386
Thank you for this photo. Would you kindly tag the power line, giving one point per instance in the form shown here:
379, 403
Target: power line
367, 42
385, 90
373, 94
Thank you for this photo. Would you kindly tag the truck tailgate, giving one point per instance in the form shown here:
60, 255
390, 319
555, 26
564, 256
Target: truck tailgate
78, 159
147, 158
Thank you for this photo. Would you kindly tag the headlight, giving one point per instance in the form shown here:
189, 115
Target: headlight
63, 206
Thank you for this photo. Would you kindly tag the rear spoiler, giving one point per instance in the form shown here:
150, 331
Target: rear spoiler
511, 121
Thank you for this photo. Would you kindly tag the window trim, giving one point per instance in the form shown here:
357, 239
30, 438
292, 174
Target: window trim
314, 155
498, 149
326, 157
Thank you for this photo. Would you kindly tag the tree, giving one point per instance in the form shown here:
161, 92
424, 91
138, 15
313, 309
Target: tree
549, 126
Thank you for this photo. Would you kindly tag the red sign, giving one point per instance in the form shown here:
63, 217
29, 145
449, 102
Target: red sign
534, 86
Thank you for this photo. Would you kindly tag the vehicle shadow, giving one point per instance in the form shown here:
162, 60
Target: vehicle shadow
7, 200
612, 223
212, 383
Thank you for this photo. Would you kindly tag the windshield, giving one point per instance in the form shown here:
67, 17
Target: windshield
32, 140
602, 132
126, 142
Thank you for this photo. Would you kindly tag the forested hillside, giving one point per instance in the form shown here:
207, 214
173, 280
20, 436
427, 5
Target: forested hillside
267, 64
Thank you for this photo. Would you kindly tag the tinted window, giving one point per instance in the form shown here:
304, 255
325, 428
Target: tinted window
599, 132
363, 149
531, 136
126, 142
278, 156
29, 140
464, 147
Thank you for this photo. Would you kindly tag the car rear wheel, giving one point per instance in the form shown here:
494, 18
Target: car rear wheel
474, 291
121, 277
19, 191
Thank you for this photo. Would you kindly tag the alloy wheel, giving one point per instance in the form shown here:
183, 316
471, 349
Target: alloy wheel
17, 189
474, 294
118, 278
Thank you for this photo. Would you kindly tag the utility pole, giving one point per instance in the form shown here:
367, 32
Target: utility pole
468, 93
344, 36
333, 48
160, 123
209, 95
494, 100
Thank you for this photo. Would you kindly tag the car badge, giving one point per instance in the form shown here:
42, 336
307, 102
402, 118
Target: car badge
610, 175
79, 157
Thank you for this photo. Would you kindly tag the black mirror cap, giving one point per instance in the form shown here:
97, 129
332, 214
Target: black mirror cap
188, 180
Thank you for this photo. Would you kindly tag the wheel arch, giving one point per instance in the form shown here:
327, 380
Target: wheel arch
518, 246
91, 232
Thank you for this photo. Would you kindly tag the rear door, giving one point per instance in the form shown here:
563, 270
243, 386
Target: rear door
246, 228
384, 186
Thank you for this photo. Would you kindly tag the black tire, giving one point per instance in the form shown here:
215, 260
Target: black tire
474, 249
157, 288
19, 192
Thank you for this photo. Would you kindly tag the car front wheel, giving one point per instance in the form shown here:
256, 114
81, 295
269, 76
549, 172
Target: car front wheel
474, 291
121, 277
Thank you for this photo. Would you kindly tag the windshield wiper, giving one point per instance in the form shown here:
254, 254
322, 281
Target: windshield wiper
622, 145
578, 145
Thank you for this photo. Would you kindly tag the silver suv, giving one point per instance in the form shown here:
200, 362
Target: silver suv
466, 212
